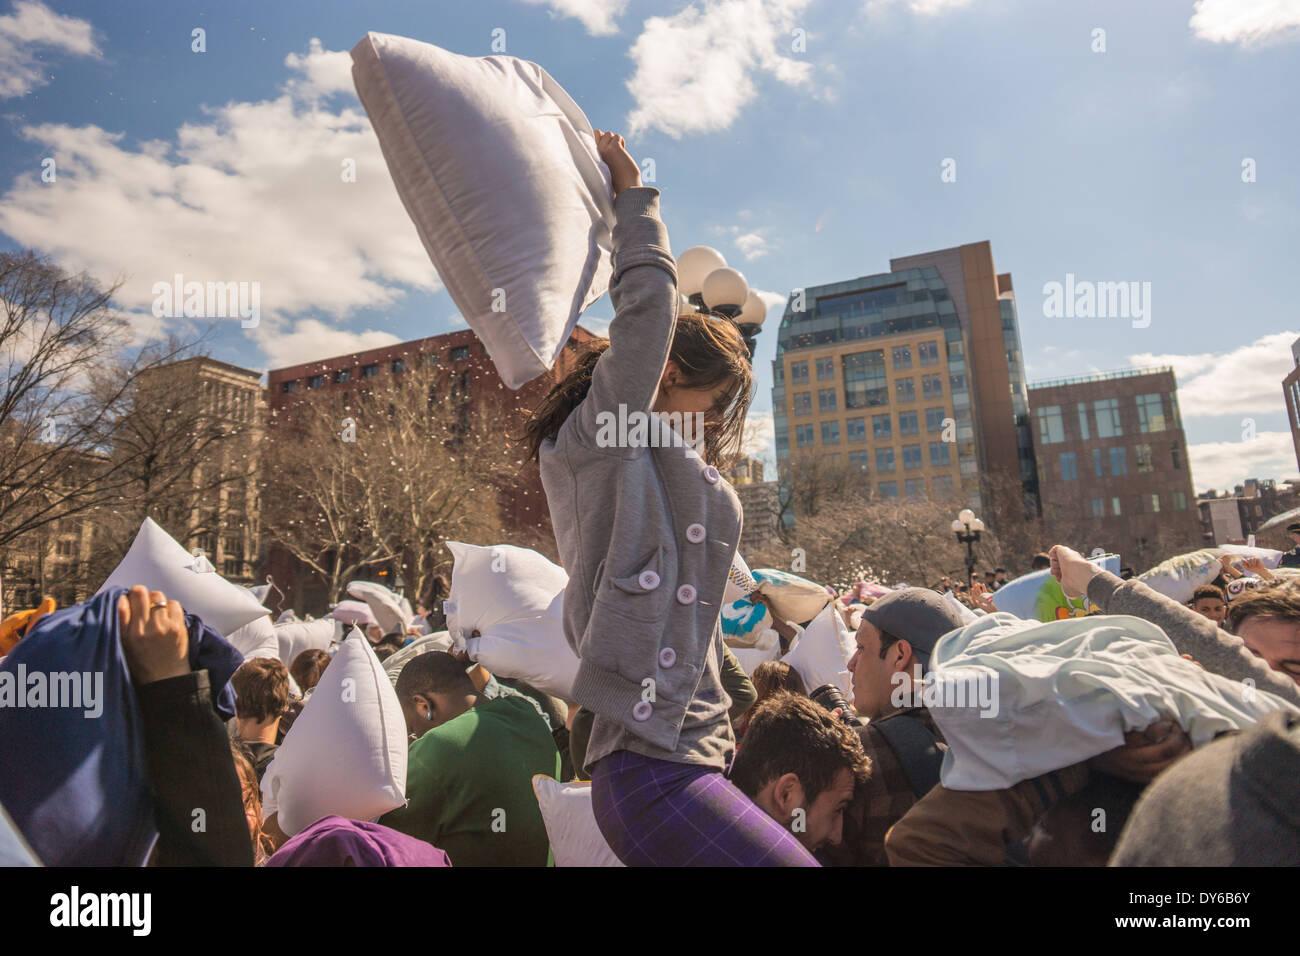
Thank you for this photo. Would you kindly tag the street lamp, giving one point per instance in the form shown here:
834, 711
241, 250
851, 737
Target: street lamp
709, 285
967, 528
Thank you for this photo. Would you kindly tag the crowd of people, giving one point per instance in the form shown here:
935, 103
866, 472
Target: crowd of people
690, 759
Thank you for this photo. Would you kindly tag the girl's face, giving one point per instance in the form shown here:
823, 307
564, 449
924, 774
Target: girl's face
673, 397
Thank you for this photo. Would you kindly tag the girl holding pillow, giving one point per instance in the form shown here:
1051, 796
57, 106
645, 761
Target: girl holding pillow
647, 529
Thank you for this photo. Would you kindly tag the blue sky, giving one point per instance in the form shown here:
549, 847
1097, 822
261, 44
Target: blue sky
801, 166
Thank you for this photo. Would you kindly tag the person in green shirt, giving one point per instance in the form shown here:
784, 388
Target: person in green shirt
470, 768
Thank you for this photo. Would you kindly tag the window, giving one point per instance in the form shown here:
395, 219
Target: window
928, 352
1144, 462
1155, 504
1069, 466
865, 385
907, 424
1096, 462
1180, 501
830, 433
316, 381
1099, 507
858, 460
369, 371
460, 353
905, 390
826, 400
914, 488
942, 485
934, 419
881, 426
799, 373
66, 548
884, 459
1151, 413
1176, 456
343, 375
1114, 505
1119, 462
825, 369
911, 457
856, 429
932, 386
803, 403
957, 381
803, 435
232, 567
1051, 426
287, 387
888, 489
1083, 421
903, 357
940, 453
1107, 411
399, 366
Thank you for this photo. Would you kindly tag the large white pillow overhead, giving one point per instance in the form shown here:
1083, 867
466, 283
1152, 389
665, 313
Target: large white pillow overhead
384, 604
346, 751
791, 597
156, 560
294, 637
256, 639
514, 598
570, 821
821, 655
498, 169
393, 664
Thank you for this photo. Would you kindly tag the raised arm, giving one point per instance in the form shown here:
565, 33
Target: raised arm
643, 291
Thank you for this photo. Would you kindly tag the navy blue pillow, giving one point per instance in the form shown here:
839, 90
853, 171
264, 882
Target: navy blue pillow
72, 769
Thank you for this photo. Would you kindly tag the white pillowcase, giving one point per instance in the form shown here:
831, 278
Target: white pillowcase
791, 597
821, 655
156, 560
514, 598
295, 637
384, 604
498, 169
438, 641
346, 751
570, 822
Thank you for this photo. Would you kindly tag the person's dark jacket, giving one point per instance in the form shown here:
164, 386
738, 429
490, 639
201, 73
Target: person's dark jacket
198, 803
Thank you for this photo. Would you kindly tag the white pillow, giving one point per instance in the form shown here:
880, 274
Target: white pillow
256, 639
353, 612
346, 751
570, 822
822, 653
498, 169
297, 636
792, 598
514, 598
384, 604
751, 657
440, 641
157, 561
740, 581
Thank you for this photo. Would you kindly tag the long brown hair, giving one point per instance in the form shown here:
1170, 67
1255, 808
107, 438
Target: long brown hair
708, 351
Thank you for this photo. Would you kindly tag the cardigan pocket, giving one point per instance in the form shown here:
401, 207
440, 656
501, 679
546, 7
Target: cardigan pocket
641, 595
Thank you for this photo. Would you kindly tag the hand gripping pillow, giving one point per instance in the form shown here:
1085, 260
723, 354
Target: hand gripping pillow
498, 169
792, 598
346, 752
384, 604
822, 654
570, 822
158, 562
514, 598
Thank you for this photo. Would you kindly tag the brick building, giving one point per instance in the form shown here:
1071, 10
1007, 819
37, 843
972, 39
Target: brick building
1112, 463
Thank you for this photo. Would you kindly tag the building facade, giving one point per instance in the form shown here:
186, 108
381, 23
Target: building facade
1233, 517
1112, 463
912, 379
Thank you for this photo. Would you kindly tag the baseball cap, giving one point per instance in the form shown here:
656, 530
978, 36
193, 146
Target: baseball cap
916, 615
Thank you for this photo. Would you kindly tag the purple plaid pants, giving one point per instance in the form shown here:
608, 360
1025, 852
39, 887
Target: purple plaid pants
659, 813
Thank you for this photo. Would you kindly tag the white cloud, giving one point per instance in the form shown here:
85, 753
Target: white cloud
598, 16
760, 440
33, 25
1244, 381
1246, 22
697, 69
752, 245
254, 191
1225, 464
924, 8
772, 299
310, 340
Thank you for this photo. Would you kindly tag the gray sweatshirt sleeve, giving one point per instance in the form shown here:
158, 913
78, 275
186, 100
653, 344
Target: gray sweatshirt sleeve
1209, 645
643, 291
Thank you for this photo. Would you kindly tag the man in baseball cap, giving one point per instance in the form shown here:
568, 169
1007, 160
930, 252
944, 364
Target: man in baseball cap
896, 636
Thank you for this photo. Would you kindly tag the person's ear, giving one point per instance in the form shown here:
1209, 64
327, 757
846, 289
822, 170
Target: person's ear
788, 794
904, 656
